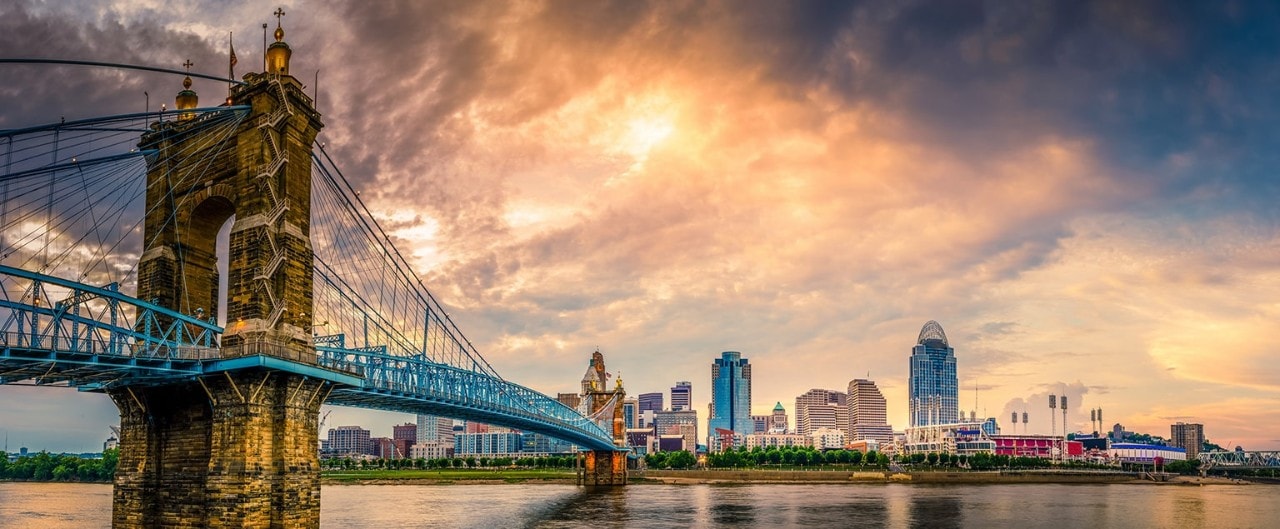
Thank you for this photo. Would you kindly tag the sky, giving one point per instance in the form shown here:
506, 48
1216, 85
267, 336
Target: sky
1082, 193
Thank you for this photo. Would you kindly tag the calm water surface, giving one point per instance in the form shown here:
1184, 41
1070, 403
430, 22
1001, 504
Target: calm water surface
52, 505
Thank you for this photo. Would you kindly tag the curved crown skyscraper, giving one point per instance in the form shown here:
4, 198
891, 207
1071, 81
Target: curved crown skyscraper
934, 389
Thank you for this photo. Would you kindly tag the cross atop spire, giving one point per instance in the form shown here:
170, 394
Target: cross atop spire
279, 30
188, 64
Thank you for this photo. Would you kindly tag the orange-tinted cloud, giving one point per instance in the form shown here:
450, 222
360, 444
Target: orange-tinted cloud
808, 185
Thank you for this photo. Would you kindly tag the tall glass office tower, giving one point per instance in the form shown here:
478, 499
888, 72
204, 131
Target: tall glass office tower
934, 390
731, 394
682, 396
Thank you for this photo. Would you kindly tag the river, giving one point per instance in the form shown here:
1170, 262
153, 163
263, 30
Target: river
61, 505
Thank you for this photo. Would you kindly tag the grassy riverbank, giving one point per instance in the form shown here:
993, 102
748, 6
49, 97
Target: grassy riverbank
961, 477
447, 476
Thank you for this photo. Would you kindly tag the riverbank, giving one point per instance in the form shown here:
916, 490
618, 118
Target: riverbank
991, 477
447, 477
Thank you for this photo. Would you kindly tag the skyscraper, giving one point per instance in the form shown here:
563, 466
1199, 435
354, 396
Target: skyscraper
1189, 436
868, 415
821, 408
435, 437
778, 424
404, 436
649, 402
630, 413
350, 440
761, 423
682, 396
934, 390
731, 394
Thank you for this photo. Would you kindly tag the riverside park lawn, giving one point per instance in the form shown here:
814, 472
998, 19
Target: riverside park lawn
447, 475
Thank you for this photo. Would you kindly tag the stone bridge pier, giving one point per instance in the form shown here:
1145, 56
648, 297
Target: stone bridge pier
603, 468
227, 450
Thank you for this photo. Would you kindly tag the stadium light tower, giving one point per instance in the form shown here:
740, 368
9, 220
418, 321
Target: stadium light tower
1053, 424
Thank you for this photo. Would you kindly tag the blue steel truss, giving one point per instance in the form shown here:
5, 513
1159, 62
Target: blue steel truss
417, 385
57, 331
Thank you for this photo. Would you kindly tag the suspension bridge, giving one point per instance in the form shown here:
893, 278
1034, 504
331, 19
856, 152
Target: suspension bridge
214, 272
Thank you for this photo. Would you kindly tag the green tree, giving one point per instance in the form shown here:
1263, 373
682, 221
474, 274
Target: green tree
681, 459
855, 457
870, 458
110, 458
980, 461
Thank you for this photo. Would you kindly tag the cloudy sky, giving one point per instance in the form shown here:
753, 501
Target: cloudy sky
1082, 193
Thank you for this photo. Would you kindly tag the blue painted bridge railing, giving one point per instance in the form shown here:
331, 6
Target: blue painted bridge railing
416, 385
54, 331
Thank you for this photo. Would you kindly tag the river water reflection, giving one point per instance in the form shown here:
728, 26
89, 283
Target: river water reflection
752, 505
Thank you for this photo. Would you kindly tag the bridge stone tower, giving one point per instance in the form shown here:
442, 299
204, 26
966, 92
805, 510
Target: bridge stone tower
235, 447
261, 177
603, 467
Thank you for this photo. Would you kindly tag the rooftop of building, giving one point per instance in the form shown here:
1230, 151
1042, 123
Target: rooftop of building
932, 332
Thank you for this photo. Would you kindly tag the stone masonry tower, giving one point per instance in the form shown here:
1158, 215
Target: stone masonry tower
602, 468
262, 178
236, 446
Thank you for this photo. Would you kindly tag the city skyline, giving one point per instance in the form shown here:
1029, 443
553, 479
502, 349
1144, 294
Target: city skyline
1083, 195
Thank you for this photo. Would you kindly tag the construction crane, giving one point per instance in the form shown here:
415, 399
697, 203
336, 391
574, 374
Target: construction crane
321, 427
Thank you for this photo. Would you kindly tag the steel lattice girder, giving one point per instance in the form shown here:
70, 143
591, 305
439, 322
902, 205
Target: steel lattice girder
1241, 459
415, 385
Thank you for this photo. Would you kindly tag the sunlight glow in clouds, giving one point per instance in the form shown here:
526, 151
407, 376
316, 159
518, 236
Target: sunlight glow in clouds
1078, 194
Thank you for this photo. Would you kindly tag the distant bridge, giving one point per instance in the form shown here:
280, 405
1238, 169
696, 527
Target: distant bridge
1239, 460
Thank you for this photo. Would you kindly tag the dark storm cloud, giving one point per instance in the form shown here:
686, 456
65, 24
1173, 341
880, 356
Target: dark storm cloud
49, 93
1151, 80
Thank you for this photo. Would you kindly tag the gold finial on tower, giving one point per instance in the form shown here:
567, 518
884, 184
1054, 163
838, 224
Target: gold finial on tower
187, 98
278, 53
279, 30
